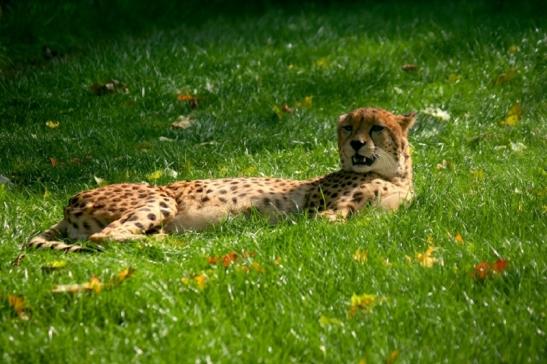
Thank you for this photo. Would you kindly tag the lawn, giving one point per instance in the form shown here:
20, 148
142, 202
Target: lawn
457, 276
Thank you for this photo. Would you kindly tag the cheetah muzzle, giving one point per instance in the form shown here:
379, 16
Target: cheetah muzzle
376, 169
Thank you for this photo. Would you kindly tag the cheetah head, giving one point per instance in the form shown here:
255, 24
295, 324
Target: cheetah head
374, 140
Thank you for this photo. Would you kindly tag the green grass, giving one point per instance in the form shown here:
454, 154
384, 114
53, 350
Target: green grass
242, 62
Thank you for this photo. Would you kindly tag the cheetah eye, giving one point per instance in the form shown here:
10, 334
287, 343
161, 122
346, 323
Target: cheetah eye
376, 128
347, 128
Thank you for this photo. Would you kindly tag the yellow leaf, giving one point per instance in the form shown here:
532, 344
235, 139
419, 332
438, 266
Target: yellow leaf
52, 124
126, 273
478, 174
362, 302
360, 256
94, 284
17, 303
306, 103
392, 357
201, 280
454, 78
426, 258
326, 321
513, 49
322, 62
54, 265
458, 238
155, 175
185, 280
513, 115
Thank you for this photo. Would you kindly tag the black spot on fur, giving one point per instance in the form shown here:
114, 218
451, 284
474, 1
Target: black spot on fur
151, 217
163, 204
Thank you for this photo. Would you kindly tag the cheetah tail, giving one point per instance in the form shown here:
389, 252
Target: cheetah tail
47, 240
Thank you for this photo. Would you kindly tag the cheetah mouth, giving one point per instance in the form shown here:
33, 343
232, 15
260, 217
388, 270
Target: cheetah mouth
361, 160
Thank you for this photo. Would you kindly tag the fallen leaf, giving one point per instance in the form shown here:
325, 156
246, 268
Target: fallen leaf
100, 181
484, 270
426, 259
409, 67
392, 357
458, 238
166, 139
506, 76
513, 115
517, 147
191, 100
280, 111
171, 173
322, 62
182, 122
307, 103
454, 78
108, 87
54, 265
437, 113
326, 321
443, 165
52, 124
478, 174
124, 274
481, 270
277, 260
201, 281
362, 302
360, 256
93, 285
53, 162
500, 265
18, 304
513, 49
229, 259
154, 175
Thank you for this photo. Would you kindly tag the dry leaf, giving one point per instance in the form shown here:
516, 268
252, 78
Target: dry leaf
154, 175
201, 281
306, 103
54, 265
52, 124
182, 122
443, 165
93, 285
363, 302
409, 67
108, 87
229, 259
484, 270
191, 100
392, 357
458, 238
322, 62
426, 258
53, 162
360, 256
437, 113
100, 181
18, 304
506, 76
326, 321
166, 139
513, 115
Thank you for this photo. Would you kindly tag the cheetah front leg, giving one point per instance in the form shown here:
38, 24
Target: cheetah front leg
135, 224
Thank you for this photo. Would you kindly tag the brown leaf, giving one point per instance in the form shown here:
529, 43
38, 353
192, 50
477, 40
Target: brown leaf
191, 100
108, 87
18, 304
93, 285
53, 162
409, 67
182, 122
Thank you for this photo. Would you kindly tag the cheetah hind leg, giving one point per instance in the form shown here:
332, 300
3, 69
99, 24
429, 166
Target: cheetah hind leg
136, 224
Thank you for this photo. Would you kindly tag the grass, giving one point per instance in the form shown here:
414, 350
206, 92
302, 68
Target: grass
289, 301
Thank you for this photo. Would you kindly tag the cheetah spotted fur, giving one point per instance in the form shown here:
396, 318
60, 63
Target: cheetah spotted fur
376, 169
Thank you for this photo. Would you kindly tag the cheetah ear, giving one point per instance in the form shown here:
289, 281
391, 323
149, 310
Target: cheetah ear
407, 120
342, 117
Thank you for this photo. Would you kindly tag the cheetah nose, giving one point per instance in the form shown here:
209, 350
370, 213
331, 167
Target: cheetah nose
357, 144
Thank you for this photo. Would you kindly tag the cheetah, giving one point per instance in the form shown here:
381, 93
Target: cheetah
376, 169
